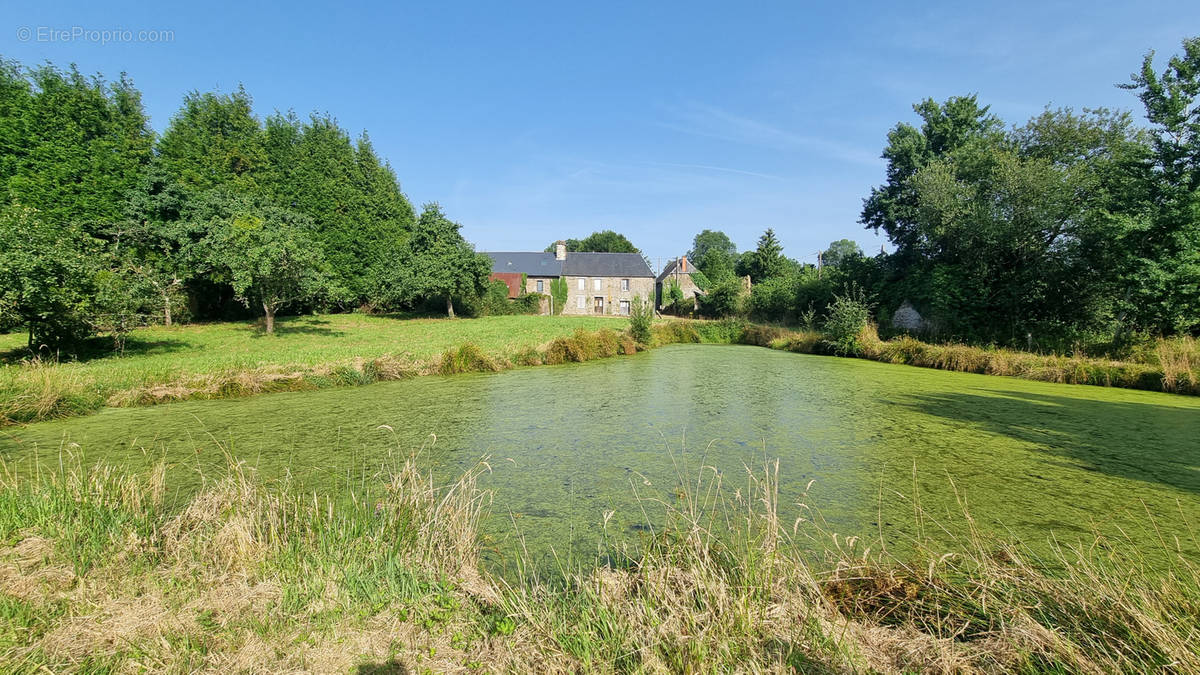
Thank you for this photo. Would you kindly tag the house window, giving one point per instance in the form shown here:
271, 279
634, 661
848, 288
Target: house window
540, 287
580, 301
596, 284
624, 284
582, 285
625, 308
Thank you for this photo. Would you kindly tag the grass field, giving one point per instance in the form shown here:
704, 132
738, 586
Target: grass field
165, 363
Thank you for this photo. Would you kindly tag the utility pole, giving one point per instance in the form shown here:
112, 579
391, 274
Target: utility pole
818, 264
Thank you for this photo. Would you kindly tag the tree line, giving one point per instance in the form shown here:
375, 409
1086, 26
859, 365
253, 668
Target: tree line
1076, 227
106, 225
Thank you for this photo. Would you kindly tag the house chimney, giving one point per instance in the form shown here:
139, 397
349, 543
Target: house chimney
683, 263
560, 250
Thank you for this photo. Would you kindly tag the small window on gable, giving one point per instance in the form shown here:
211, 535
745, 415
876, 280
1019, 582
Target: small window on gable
582, 284
624, 284
596, 284
540, 287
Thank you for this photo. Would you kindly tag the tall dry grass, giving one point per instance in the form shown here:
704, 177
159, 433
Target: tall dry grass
98, 572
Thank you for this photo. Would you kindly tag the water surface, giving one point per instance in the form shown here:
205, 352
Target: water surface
569, 443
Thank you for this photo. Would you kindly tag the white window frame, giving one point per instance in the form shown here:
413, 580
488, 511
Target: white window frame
597, 284
539, 286
624, 284
582, 284
581, 302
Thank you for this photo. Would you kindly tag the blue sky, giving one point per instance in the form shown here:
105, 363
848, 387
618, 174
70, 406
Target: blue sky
537, 121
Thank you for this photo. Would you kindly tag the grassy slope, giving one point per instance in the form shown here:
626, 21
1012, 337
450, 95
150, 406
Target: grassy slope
191, 356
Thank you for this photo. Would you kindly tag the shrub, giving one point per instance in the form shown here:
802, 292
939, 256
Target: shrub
774, 299
641, 317
847, 317
676, 332
466, 359
725, 299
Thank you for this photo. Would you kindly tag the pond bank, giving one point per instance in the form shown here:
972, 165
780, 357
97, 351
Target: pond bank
42, 391
97, 575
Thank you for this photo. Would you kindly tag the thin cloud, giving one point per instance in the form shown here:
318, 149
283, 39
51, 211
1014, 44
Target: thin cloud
709, 121
722, 169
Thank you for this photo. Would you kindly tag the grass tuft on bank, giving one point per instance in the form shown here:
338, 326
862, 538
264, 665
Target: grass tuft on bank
99, 572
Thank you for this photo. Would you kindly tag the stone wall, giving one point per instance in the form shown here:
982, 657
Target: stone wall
689, 287
609, 289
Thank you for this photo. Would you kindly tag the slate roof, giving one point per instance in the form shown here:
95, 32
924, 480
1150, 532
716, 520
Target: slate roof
530, 264
670, 269
576, 265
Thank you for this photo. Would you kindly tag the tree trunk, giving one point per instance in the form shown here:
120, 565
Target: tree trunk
166, 308
270, 318
449, 307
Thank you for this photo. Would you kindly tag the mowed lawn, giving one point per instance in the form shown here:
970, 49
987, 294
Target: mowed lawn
162, 355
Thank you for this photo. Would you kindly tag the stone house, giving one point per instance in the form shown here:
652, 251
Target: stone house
677, 271
597, 283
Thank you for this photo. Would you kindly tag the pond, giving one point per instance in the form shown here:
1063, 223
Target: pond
856, 440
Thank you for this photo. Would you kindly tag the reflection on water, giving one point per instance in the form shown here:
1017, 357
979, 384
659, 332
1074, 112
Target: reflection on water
567, 444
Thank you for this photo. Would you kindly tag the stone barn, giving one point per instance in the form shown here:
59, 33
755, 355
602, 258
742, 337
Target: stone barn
677, 271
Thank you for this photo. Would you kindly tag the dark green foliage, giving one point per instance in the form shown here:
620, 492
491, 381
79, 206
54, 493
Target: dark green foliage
362, 219
558, 292
714, 254
70, 146
723, 300
495, 301
271, 259
764, 262
47, 278
847, 317
641, 317
604, 241
439, 262
215, 141
1163, 248
840, 252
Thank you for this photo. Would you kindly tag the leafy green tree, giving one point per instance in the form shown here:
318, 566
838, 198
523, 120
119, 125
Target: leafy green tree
47, 275
158, 244
724, 299
945, 128
765, 261
714, 254
214, 141
70, 146
1015, 231
440, 262
271, 259
361, 217
604, 241
1164, 274
839, 252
